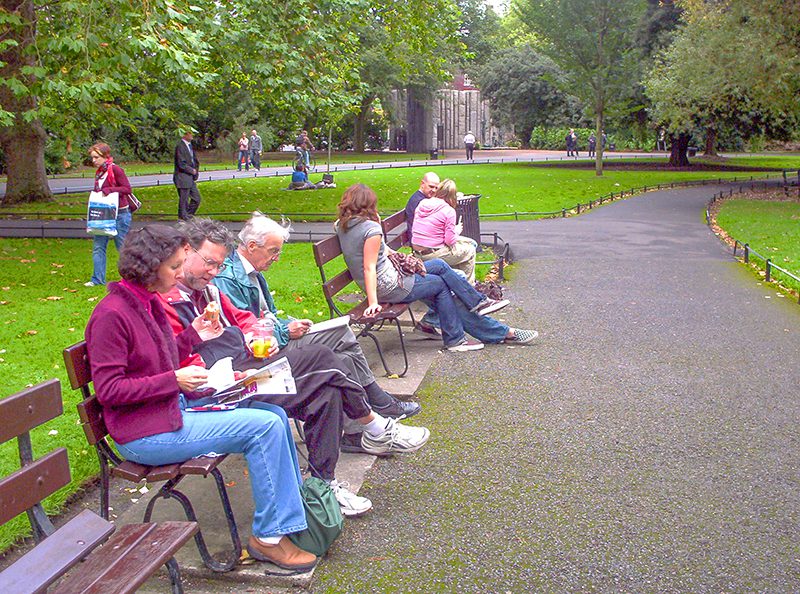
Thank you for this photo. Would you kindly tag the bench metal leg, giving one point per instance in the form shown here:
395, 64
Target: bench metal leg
174, 576
366, 331
168, 491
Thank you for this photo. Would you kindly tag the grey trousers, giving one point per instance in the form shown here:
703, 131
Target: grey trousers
345, 345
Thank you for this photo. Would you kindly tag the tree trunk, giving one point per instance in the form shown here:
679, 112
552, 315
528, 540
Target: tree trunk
711, 141
361, 124
677, 155
598, 134
22, 141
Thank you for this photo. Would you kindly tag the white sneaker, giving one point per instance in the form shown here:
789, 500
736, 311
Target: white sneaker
351, 504
396, 439
89, 284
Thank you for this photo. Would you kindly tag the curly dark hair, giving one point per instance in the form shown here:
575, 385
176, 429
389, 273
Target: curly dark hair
146, 249
198, 231
358, 201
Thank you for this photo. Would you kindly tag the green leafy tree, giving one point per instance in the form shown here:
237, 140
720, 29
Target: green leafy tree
733, 64
593, 43
523, 92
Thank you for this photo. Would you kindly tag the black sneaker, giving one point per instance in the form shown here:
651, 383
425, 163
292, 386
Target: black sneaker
398, 408
351, 444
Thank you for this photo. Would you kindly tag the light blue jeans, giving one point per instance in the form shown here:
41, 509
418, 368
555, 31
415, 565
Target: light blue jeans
258, 430
100, 244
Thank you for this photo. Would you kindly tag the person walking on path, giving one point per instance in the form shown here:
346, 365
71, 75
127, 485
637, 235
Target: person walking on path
187, 169
469, 144
108, 178
244, 153
255, 150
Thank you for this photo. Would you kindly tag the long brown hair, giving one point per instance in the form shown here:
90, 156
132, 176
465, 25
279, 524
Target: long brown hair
101, 148
358, 200
447, 192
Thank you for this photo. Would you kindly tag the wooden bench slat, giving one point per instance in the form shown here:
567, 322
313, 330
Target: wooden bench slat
393, 221
202, 465
130, 471
390, 311
163, 473
125, 562
30, 484
30, 408
326, 250
337, 283
53, 557
76, 359
91, 415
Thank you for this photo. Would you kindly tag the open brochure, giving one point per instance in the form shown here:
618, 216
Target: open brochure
328, 324
275, 378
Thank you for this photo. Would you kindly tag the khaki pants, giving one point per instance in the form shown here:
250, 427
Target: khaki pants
460, 256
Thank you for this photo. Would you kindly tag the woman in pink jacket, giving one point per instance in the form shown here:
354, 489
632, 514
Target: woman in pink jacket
437, 235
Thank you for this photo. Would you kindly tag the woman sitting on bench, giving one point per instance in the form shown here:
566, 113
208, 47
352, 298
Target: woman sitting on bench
367, 257
134, 360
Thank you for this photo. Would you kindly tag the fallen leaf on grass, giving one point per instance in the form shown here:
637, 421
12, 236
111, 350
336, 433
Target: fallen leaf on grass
4, 302
26, 261
92, 299
51, 298
31, 332
6, 288
53, 264
70, 290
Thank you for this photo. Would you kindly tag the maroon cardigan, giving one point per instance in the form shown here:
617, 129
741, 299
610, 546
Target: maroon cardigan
133, 357
121, 184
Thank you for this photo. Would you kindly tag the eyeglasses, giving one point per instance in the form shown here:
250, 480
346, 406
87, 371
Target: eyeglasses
211, 264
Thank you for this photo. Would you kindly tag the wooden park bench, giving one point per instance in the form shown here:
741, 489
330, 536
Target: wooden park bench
328, 250
90, 411
95, 555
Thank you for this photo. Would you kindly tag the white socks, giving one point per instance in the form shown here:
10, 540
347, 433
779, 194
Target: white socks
376, 426
269, 540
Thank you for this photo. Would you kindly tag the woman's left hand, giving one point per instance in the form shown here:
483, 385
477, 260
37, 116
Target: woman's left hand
207, 330
373, 310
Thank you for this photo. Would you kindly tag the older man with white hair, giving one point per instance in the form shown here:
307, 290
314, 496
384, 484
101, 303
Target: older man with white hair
260, 244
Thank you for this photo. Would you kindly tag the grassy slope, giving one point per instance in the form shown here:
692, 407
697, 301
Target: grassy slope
771, 228
505, 188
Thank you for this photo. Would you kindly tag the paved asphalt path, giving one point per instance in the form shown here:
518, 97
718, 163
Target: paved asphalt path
65, 185
647, 443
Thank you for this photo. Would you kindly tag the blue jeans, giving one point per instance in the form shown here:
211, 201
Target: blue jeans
258, 430
244, 157
100, 244
456, 282
483, 328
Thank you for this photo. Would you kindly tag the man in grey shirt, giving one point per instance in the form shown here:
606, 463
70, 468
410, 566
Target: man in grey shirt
255, 150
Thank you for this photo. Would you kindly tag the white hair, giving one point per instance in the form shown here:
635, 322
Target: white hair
259, 226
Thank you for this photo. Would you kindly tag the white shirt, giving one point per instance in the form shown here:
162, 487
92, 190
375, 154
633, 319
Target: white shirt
469, 139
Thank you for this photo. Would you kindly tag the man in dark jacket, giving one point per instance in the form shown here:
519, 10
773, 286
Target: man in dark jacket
187, 169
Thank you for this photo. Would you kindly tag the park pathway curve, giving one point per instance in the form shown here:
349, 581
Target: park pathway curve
647, 443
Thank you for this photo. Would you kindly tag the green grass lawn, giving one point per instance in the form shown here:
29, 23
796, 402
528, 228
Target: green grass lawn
773, 161
505, 188
771, 228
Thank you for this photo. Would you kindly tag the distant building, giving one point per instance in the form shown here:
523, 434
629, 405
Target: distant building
442, 121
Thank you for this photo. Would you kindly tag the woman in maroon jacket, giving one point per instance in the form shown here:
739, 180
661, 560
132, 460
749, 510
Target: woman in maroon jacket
108, 178
134, 359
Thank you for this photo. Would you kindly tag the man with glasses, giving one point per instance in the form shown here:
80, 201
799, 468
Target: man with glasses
326, 391
260, 243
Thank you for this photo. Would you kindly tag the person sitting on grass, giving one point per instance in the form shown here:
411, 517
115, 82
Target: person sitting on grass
144, 393
367, 256
300, 179
325, 389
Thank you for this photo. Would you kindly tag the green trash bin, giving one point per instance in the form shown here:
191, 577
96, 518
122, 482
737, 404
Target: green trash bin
467, 212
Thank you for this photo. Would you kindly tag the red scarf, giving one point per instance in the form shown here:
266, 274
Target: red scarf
102, 170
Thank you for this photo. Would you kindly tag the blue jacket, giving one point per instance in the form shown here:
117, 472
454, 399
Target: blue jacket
234, 282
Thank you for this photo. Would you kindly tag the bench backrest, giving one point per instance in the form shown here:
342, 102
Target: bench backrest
76, 359
327, 250
392, 222
24, 489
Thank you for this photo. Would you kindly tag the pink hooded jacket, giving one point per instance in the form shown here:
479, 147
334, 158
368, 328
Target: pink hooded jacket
434, 224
